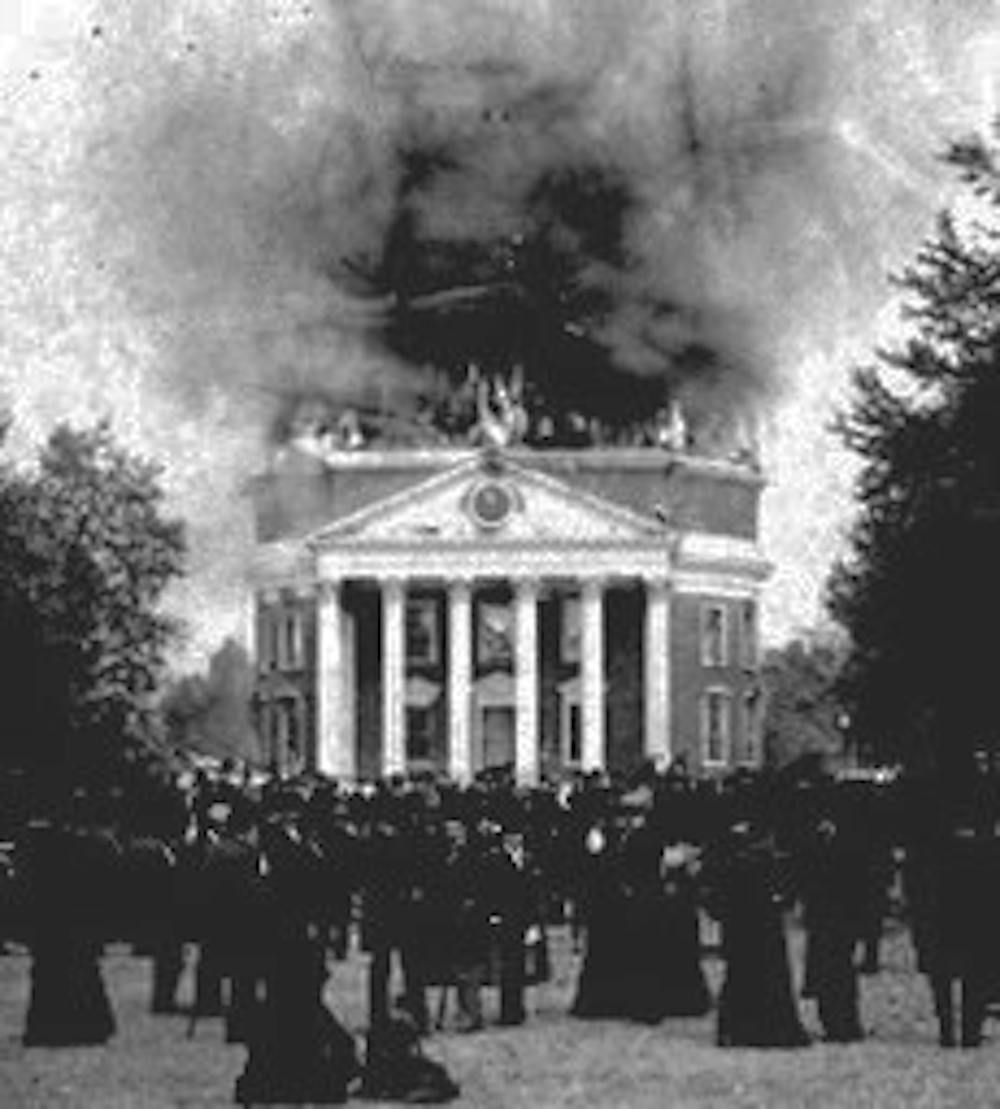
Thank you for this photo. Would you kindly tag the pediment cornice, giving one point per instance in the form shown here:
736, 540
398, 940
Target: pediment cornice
488, 500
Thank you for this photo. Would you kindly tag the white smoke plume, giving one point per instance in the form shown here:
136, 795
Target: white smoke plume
768, 146
185, 181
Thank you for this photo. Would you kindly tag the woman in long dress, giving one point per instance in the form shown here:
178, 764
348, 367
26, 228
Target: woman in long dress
756, 1006
643, 958
70, 872
660, 973
599, 988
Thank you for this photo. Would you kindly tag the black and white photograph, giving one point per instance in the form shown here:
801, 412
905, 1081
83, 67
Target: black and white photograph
499, 553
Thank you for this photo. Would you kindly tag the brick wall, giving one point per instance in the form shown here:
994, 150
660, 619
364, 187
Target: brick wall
285, 662
691, 677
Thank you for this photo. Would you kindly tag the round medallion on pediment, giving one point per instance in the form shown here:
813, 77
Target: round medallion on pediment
491, 503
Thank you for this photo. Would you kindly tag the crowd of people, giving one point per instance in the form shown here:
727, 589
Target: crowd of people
455, 888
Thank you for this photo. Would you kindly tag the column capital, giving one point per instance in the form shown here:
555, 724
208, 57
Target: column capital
529, 586
394, 586
657, 583
594, 586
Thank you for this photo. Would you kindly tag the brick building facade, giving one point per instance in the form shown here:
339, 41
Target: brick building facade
461, 609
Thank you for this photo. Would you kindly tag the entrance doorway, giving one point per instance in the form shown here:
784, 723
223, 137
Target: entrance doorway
498, 735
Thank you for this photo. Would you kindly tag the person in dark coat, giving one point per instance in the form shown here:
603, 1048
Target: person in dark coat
878, 814
514, 904
394, 892
643, 959
952, 879
336, 832
206, 859
70, 870
602, 902
466, 927
678, 986
396, 1068
756, 1006
149, 883
835, 891
298, 1052
157, 822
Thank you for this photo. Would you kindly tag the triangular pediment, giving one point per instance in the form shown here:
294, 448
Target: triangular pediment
491, 502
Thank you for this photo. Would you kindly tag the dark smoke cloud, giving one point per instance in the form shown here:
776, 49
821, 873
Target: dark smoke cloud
762, 159
183, 180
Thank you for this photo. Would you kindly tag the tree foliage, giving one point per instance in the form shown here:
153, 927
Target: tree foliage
919, 590
86, 553
211, 713
803, 716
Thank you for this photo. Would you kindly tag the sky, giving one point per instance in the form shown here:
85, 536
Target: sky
177, 176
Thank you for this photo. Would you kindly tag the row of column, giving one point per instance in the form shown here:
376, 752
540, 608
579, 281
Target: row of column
337, 755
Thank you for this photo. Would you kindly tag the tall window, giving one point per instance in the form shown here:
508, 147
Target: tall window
495, 635
713, 635
423, 644
270, 637
570, 630
715, 727
751, 727
748, 635
287, 738
288, 638
418, 733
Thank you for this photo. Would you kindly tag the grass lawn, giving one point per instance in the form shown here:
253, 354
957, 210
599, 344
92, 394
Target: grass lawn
552, 1061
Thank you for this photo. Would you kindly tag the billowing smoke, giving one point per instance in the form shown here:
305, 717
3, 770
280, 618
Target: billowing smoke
205, 212
629, 199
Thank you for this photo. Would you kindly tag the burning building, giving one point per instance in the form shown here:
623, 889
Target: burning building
526, 534
456, 607
374, 206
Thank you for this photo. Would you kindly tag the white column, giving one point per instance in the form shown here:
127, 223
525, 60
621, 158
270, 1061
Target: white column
459, 680
526, 755
348, 688
249, 628
656, 651
592, 619
329, 679
393, 677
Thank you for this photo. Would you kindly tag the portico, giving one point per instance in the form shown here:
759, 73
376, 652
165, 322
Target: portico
492, 704
493, 614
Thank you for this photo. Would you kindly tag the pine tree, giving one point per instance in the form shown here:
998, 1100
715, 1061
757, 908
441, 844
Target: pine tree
919, 590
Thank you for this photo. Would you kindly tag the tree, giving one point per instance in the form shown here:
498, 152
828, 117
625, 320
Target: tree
804, 713
211, 713
85, 556
919, 590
